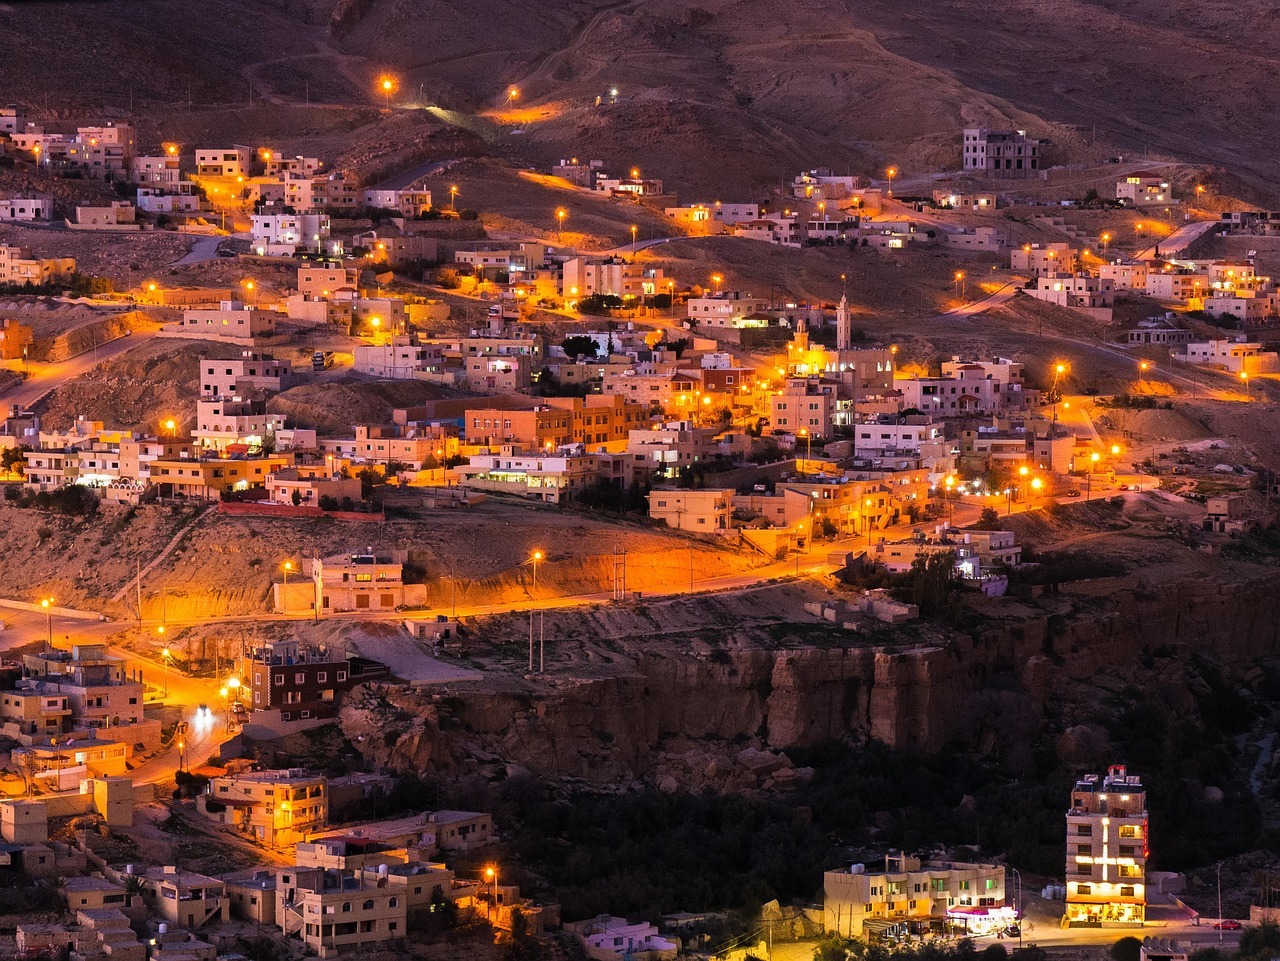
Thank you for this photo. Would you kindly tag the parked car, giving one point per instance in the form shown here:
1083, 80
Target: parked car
1228, 924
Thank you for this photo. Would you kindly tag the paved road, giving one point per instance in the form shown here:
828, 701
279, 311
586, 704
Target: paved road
1007, 292
46, 377
205, 248
402, 180
1179, 240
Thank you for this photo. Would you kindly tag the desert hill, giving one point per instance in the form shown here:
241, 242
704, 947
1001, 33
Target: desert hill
724, 94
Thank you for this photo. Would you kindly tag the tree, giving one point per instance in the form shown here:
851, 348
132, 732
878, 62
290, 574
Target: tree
994, 952
12, 459
930, 581
578, 345
988, 520
296, 498
1126, 949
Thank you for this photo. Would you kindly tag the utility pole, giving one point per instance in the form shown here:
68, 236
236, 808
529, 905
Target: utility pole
138, 585
542, 636
530, 641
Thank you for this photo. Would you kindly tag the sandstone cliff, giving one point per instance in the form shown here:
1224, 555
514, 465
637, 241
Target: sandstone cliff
657, 704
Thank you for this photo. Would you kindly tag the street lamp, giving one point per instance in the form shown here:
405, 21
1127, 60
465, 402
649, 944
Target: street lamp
891, 173
171, 426
1244, 378
387, 85
1143, 367
1106, 239
1036, 484
234, 684
561, 213
717, 280
633, 241
808, 440
960, 282
948, 483
226, 703
47, 603
536, 556
164, 659
491, 874
181, 746
287, 566
1093, 464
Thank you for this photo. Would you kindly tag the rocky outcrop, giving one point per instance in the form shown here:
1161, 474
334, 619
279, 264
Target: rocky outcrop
690, 713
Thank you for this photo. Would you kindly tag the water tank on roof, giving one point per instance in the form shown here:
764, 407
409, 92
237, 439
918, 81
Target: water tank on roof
162, 928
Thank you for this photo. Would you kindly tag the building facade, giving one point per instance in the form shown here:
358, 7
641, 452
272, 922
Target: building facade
1107, 850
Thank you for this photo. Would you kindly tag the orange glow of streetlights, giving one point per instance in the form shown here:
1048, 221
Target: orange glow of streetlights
171, 149
387, 84
453, 197
1115, 450
561, 214
717, 280
171, 426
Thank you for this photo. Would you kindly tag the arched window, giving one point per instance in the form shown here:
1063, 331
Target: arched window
368, 905
394, 902
346, 907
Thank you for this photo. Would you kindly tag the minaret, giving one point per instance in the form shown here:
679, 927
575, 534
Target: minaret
844, 329
801, 339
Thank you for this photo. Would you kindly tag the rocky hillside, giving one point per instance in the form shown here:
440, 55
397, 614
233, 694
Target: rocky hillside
695, 690
851, 85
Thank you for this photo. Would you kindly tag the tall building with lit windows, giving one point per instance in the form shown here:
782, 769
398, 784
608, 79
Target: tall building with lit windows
1107, 850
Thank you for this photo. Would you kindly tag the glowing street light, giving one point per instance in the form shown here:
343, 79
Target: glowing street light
387, 86
1093, 466
47, 604
513, 93
960, 282
287, 566
171, 426
164, 659
634, 230
1244, 379
891, 173
1143, 367
1106, 239
453, 197
561, 214
536, 556
717, 280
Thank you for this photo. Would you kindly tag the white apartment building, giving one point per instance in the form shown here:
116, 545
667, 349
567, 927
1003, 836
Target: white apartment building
289, 232
728, 309
223, 162
26, 208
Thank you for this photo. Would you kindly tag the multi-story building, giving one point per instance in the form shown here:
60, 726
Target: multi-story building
183, 897
1040, 259
1079, 291
1000, 153
324, 280
402, 357
707, 511
804, 407
550, 476
585, 276
408, 202
251, 370
17, 266
209, 479
281, 233
728, 309
1140, 191
859, 902
594, 420
276, 808
1107, 850
222, 421
358, 582
223, 162
97, 687
302, 682
232, 320
163, 169
333, 911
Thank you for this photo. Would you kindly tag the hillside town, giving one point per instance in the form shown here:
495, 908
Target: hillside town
424, 556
